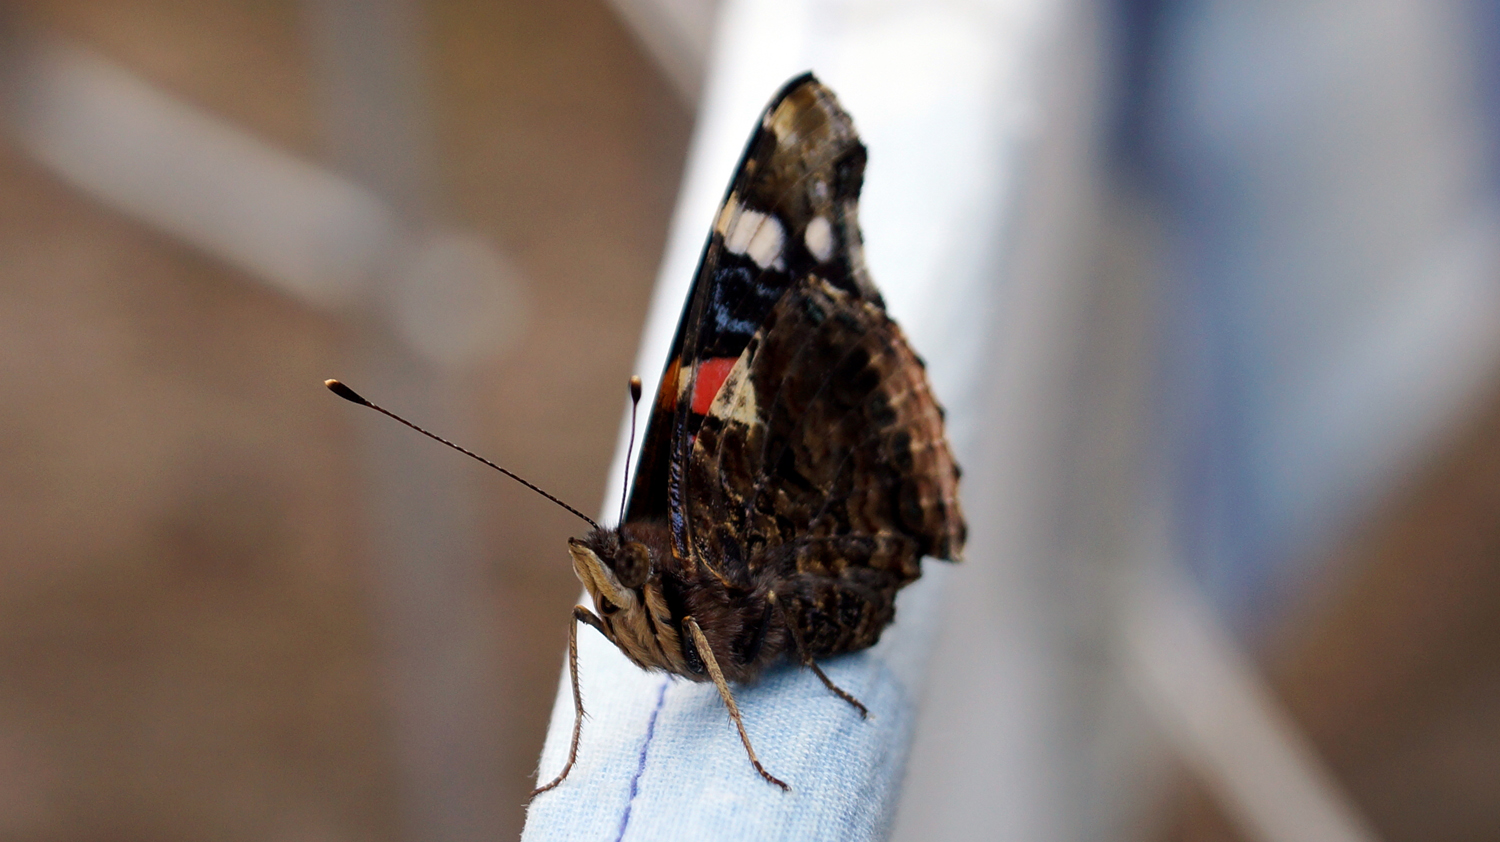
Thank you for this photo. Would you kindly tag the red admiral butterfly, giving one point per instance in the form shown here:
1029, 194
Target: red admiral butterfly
794, 470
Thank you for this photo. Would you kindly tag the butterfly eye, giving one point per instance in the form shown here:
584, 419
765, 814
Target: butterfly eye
632, 564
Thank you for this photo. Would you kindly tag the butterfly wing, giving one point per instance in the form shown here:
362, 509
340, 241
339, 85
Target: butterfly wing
820, 467
824, 453
790, 211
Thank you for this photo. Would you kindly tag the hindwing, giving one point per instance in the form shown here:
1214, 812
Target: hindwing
825, 432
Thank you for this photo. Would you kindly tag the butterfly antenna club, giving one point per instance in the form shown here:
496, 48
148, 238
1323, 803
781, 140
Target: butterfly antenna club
348, 394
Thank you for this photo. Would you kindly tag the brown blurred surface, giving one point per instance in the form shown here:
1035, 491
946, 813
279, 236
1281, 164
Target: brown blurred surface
185, 649
1394, 671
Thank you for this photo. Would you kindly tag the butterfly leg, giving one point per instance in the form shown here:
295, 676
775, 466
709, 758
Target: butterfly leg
807, 660
580, 615
707, 653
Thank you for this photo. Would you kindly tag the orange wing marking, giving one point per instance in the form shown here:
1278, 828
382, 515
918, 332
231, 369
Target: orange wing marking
711, 375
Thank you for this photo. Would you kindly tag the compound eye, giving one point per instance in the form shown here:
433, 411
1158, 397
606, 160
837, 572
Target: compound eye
632, 564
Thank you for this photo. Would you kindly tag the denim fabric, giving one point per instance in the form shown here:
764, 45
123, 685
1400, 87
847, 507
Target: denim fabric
660, 759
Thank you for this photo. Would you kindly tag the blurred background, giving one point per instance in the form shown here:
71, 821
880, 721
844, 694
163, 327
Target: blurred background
232, 607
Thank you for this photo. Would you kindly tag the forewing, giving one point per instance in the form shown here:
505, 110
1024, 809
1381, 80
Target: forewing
790, 211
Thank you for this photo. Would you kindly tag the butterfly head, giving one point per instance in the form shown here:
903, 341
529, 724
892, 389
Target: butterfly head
619, 569
611, 567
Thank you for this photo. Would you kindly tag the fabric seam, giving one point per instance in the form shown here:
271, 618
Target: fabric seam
640, 769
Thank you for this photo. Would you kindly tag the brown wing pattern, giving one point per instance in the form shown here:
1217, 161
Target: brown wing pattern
825, 435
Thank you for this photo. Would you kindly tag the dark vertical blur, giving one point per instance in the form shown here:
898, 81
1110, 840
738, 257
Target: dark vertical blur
188, 643
1324, 175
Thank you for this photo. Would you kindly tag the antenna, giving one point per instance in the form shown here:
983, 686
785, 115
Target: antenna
635, 403
352, 396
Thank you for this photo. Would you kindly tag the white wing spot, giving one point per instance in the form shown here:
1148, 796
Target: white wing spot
765, 246
755, 234
740, 228
819, 239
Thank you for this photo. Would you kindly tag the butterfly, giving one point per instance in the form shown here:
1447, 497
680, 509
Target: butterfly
794, 470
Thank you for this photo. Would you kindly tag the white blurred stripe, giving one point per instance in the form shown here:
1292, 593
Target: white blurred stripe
304, 229
1224, 722
676, 34
194, 176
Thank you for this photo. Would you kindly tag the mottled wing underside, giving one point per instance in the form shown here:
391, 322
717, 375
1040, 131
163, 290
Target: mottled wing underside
794, 426
825, 434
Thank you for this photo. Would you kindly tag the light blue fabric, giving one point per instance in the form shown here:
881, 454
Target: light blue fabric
660, 759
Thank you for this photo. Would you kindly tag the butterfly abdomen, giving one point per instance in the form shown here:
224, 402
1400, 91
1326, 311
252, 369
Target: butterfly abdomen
742, 627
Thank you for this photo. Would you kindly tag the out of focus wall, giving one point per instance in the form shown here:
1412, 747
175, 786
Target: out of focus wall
187, 645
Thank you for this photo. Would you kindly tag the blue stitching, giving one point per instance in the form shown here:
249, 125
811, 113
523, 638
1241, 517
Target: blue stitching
640, 769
